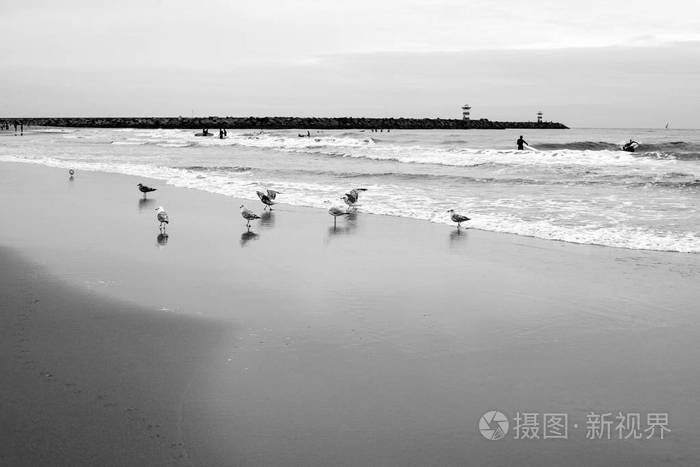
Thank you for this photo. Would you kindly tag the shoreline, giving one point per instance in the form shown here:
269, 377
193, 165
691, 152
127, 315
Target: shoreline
380, 342
235, 199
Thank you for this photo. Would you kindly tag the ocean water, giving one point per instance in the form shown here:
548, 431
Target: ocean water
575, 186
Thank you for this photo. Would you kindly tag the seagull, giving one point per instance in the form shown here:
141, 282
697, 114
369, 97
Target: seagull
145, 189
162, 217
335, 211
352, 196
349, 199
272, 194
248, 215
266, 199
458, 218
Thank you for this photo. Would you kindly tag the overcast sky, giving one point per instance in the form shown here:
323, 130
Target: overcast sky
585, 63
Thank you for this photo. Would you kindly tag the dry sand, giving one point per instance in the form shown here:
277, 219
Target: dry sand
379, 343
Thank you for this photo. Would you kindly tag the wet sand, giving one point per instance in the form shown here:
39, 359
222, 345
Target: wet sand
381, 342
92, 381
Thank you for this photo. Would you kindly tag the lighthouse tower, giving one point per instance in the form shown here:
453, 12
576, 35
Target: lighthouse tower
539, 117
466, 108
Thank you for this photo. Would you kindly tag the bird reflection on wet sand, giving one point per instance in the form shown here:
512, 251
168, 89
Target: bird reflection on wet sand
248, 236
340, 230
162, 239
267, 219
349, 226
457, 236
145, 202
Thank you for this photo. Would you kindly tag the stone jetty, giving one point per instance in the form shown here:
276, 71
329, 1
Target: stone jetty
318, 123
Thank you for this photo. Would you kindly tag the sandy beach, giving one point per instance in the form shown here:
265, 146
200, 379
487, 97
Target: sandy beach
381, 342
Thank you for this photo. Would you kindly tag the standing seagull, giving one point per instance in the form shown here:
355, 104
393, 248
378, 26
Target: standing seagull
335, 212
248, 215
458, 218
145, 189
162, 217
266, 199
352, 196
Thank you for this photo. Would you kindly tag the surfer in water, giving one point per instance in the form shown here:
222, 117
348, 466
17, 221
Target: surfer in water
521, 143
631, 146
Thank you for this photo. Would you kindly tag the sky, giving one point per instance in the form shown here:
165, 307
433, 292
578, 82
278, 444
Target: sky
585, 63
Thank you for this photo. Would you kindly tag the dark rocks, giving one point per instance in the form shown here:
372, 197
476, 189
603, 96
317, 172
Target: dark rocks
315, 123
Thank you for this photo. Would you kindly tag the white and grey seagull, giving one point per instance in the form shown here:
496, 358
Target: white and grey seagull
145, 189
162, 217
335, 211
266, 199
458, 218
248, 215
352, 196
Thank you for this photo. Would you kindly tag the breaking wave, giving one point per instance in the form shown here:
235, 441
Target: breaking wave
585, 191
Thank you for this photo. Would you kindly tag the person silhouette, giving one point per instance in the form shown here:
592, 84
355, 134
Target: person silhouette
521, 143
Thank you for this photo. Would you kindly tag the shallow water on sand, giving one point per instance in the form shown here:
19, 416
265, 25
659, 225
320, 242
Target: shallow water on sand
575, 185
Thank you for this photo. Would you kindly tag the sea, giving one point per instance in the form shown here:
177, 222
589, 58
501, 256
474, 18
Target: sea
571, 185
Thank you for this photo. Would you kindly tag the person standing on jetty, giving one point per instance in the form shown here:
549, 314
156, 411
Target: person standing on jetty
521, 143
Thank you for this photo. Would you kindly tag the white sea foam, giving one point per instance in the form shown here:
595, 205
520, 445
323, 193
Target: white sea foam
365, 147
54, 130
129, 143
565, 219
